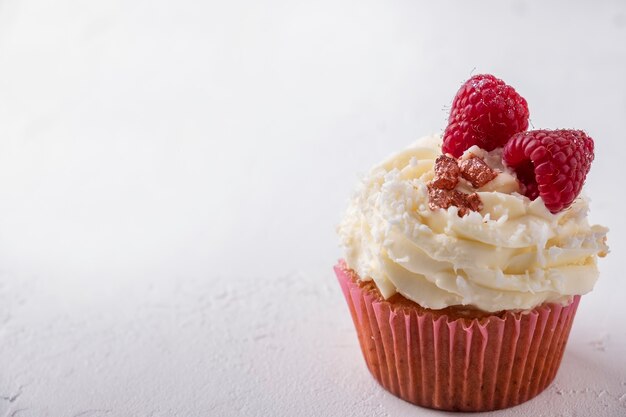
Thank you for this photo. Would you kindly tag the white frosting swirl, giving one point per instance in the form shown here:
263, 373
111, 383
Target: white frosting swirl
513, 254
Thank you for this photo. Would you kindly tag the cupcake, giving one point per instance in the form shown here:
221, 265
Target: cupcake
466, 255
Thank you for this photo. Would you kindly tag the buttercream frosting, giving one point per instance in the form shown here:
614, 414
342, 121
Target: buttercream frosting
512, 254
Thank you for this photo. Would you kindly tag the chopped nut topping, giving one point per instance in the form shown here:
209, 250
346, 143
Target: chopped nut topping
439, 198
441, 190
446, 173
473, 202
476, 171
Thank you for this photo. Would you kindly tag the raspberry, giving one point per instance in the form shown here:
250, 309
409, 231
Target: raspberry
485, 112
551, 164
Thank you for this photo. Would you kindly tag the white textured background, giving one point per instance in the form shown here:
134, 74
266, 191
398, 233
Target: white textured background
171, 173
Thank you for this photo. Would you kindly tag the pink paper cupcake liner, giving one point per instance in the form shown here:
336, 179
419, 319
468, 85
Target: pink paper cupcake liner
480, 364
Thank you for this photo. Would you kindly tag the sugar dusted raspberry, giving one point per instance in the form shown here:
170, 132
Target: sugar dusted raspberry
485, 112
446, 173
552, 164
476, 171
